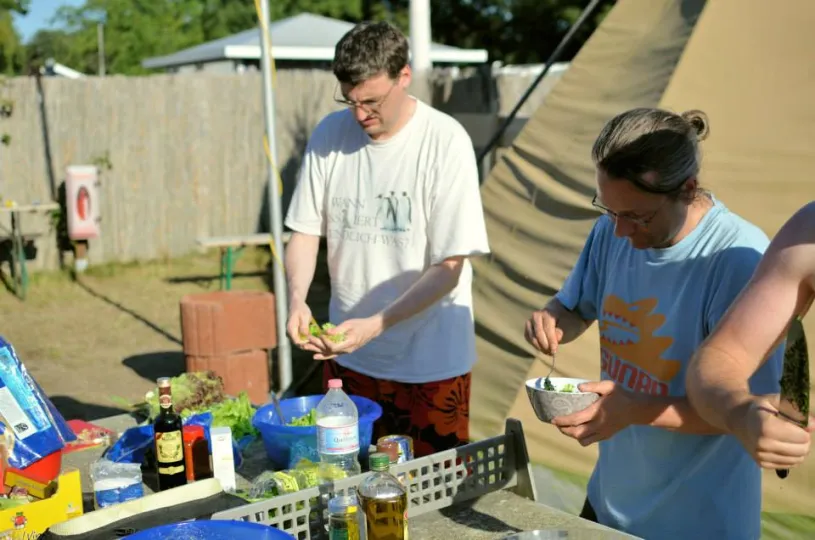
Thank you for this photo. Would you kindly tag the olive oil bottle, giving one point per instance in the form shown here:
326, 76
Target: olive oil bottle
384, 502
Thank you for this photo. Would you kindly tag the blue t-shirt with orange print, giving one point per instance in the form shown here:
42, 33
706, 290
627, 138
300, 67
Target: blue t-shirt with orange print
654, 308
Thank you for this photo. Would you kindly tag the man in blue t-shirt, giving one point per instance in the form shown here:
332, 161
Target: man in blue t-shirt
657, 273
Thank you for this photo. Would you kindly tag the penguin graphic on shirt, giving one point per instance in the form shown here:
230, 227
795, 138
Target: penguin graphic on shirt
381, 209
404, 210
393, 212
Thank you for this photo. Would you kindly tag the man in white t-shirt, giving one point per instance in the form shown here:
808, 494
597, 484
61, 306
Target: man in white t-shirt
393, 186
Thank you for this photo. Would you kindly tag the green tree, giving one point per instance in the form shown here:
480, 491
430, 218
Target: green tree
45, 44
134, 30
20, 6
12, 53
513, 31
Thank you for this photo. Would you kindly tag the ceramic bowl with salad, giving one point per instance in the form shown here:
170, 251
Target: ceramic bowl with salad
557, 396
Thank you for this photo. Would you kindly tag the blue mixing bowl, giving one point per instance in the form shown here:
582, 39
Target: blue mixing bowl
286, 445
212, 530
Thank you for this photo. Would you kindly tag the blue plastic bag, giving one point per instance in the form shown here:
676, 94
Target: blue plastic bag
134, 442
31, 427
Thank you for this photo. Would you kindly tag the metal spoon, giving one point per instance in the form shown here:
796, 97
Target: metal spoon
547, 384
276, 403
552, 369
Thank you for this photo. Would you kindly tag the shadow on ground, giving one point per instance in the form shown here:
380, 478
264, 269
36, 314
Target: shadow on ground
477, 520
156, 364
125, 309
72, 409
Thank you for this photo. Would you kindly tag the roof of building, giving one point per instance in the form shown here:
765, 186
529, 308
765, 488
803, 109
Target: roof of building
304, 37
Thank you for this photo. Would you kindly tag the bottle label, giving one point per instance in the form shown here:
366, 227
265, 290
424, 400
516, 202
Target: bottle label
338, 440
338, 534
169, 447
165, 401
171, 470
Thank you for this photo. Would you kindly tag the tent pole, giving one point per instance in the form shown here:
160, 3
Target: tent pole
554, 57
275, 217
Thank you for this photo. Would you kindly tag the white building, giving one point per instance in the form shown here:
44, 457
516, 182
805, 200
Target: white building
304, 40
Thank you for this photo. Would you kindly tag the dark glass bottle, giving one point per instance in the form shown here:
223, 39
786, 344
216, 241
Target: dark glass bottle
169, 443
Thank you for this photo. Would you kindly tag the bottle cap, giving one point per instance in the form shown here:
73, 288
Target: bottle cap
342, 504
163, 382
335, 383
379, 461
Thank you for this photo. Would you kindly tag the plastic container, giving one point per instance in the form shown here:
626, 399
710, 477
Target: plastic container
212, 530
286, 445
337, 433
115, 483
44, 470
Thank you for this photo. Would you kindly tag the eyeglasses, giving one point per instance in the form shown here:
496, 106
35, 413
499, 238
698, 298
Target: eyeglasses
634, 220
368, 105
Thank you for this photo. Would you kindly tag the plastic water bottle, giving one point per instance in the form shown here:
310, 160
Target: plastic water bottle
337, 434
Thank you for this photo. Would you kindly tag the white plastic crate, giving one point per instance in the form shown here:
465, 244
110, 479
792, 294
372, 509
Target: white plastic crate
434, 482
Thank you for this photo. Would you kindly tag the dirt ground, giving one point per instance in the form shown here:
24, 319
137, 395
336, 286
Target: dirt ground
114, 330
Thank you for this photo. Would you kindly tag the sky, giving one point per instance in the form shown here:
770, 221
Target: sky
39, 13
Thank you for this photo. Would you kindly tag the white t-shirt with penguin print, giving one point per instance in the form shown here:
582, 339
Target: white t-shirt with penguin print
389, 210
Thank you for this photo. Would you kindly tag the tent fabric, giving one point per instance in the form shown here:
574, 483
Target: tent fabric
746, 64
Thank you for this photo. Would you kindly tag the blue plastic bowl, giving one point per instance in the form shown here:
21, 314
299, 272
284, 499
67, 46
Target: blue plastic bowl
286, 445
212, 530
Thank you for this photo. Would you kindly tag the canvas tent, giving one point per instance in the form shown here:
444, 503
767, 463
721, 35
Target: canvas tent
748, 65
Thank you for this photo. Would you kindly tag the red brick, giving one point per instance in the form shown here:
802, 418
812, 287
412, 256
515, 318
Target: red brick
224, 322
241, 371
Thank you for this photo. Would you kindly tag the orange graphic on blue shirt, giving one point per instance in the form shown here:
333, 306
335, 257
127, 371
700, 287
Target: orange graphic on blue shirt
631, 354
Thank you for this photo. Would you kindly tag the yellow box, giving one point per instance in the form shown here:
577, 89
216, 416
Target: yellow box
32, 519
34, 488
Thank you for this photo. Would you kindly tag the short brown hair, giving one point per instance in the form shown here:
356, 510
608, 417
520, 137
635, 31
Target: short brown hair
369, 49
647, 140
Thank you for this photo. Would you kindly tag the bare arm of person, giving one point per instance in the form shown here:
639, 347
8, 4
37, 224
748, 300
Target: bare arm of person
569, 322
436, 282
301, 262
674, 414
780, 289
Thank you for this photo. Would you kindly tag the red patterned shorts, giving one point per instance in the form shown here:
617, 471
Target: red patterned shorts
436, 415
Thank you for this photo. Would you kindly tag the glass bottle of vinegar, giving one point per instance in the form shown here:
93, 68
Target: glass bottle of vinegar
169, 443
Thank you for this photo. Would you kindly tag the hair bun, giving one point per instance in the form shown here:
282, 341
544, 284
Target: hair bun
699, 122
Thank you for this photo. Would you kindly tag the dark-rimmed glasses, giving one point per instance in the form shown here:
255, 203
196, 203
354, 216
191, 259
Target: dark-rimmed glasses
369, 105
634, 220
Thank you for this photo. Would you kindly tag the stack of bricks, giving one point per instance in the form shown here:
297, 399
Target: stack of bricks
231, 333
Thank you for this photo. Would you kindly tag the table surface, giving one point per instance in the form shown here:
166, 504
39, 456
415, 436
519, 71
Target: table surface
492, 516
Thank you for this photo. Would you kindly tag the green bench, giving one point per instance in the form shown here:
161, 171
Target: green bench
19, 241
231, 247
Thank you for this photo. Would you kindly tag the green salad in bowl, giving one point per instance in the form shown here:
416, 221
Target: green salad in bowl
557, 396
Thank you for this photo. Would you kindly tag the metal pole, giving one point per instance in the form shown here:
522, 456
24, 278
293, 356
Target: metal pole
567, 39
100, 45
419, 14
275, 217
